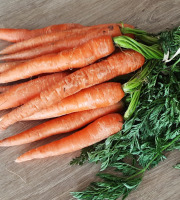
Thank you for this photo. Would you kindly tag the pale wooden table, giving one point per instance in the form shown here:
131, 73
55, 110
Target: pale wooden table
53, 178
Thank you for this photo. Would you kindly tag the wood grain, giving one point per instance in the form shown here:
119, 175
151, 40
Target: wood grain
53, 178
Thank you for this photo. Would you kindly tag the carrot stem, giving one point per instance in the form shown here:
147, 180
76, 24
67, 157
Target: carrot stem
139, 77
140, 34
133, 104
149, 52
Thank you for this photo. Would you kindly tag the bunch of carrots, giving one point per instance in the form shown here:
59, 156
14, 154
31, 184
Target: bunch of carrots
67, 71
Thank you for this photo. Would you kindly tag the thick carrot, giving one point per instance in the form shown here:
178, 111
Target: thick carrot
115, 65
64, 124
78, 57
4, 88
21, 93
52, 37
8, 65
62, 44
93, 133
97, 96
17, 35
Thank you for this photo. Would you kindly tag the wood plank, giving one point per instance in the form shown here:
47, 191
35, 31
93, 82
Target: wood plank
54, 178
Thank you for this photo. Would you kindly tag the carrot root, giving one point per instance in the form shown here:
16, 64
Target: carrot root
78, 57
63, 44
17, 35
19, 94
93, 133
115, 65
97, 96
60, 125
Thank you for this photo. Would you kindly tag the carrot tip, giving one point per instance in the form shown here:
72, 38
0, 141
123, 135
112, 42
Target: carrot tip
18, 160
21, 159
2, 143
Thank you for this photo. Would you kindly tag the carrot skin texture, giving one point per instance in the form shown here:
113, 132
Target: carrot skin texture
8, 65
19, 94
93, 133
48, 38
17, 35
60, 125
97, 96
115, 65
5, 88
77, 57
52, 37
63, 44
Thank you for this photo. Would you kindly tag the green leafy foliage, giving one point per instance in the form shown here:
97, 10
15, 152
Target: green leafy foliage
170, 41
152, 130
111, 188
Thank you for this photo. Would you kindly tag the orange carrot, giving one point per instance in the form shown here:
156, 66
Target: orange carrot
17, 35
21, 93
93, 133
98, 96
64, 124
63, 44
52, 37
4, 88
78, 57
115, 65
8, 65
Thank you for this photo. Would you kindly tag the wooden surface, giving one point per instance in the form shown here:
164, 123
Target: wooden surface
53, 178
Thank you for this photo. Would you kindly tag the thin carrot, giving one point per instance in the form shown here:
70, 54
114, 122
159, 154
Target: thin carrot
63, 44
52, 37
78, 57
93, 133
17, 35
4, 88
21, 93
115, 65
8, 65
97, 96
64, 124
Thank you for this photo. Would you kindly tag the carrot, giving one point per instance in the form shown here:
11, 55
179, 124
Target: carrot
63, 44
93, 133
63, 124
17, 35
23, 92
115, 65
4, 88
8, 65
80, 56
52, 37
98, 96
